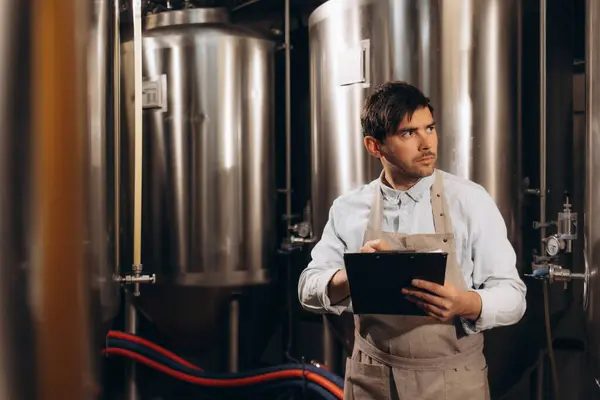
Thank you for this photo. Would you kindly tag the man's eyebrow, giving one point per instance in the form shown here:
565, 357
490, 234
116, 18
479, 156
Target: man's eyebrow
413, 128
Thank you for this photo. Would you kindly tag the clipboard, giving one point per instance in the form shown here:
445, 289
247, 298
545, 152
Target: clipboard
376, 279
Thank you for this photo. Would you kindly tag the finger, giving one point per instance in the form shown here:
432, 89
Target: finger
374, 244
427, 298
431, 287
367, 249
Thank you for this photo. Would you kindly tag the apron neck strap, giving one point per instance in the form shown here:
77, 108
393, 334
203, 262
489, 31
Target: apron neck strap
439, 207
376, 213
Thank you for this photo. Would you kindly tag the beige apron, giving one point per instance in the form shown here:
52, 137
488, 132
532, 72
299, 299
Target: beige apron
412, 357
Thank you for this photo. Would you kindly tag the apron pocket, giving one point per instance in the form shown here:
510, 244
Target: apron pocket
366, 381
467, 383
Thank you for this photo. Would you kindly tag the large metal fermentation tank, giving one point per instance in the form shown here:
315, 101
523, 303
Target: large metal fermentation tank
100, 233
464, 55
591, 232
48, 302
209, 189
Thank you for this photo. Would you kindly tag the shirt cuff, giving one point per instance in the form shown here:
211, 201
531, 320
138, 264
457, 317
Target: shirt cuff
486, 319
337, 309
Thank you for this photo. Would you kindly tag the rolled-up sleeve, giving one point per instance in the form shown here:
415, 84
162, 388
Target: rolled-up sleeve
327, 257
495, 276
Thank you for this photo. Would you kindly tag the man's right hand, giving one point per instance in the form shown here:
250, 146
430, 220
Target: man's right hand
338, 288
375, 245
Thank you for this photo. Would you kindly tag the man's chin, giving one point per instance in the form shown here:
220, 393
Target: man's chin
425, 171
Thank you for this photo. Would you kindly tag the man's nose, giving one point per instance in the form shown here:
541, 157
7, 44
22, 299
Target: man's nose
425, 141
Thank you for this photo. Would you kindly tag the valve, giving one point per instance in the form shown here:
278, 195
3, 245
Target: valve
300, 233
555, 274
544, 267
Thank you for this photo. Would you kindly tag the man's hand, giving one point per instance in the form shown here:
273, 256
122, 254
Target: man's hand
444, 302
338, 288
375, 245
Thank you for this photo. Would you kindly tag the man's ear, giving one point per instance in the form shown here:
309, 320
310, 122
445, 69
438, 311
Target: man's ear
373, 146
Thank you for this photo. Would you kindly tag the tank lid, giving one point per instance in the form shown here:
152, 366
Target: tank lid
191, 16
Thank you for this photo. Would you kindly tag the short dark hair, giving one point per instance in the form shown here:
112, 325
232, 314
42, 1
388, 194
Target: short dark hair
387, 106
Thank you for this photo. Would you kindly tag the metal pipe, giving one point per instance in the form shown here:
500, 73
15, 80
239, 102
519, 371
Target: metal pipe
136, 269
59, 290
328, 345
590, 235
543, 133
117, 128
138, 143
543, 184
288, 123
132, 392
234, 334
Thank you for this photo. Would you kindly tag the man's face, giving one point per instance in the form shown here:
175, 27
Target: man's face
411, 150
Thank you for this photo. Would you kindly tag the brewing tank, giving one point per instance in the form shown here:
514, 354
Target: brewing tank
49, 304
99, 224
591, 234
208, 213
462, 54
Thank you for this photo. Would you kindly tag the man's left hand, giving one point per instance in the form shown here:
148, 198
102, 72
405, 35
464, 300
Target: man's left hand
444, 302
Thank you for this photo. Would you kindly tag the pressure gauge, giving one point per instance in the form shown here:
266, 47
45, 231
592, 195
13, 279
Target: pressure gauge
554, 245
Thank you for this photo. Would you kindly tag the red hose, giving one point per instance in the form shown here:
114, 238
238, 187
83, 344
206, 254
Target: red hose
271, 376
155, 347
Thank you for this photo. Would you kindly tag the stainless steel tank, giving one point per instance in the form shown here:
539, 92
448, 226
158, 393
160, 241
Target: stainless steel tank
591, 234
100, 232
464, 55
46, 298
209, 189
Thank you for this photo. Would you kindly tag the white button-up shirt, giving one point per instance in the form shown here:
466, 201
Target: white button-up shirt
484, 253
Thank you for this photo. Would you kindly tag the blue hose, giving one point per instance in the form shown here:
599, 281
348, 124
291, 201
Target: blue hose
540, 272
289, 383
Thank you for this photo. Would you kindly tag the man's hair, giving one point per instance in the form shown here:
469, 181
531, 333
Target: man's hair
387, 106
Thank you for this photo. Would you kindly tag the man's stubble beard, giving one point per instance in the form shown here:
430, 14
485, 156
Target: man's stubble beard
414, 172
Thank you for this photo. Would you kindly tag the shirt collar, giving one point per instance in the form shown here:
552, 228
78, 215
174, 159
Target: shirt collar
416, 193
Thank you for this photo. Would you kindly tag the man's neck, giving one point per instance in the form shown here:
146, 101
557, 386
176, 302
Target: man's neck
398, 181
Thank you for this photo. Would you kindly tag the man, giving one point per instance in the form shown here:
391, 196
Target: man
415, 206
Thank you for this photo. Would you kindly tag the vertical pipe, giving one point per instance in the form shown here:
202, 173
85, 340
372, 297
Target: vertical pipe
234, 334
542, 149
288, 123
138, 141
60, 283
328, 345
117, 127
543, 186
136, 7
131, 388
